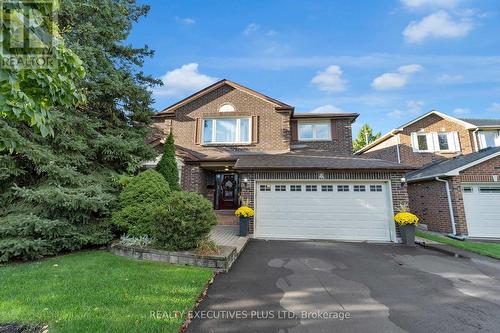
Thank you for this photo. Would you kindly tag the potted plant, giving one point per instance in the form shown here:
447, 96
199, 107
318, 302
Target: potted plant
407, 223
244, 213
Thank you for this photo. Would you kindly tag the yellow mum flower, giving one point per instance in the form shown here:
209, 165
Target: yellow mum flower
406, 218
244, 211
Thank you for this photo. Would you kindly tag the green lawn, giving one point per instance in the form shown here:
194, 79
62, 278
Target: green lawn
486, 249
97, 291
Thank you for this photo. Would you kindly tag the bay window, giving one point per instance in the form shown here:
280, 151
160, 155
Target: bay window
314, 131
226, 130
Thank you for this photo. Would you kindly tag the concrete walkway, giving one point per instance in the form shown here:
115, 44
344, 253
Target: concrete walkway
227, 235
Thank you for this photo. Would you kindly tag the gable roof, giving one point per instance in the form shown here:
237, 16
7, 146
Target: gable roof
453, 166
463, 122
482, 122
170, 110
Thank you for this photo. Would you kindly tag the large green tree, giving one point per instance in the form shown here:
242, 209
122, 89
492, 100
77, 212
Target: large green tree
365, 136
68, 182
32, 87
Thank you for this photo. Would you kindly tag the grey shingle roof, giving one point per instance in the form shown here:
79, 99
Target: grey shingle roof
314, 160
442, 167
482, 122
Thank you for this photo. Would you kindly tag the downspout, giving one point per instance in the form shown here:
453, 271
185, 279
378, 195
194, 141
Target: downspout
448, 194
397, 149
474, 134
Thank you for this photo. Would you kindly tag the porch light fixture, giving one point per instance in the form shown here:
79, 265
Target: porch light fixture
226, 168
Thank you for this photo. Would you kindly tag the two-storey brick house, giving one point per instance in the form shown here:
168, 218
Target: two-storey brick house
456, 189
237, 146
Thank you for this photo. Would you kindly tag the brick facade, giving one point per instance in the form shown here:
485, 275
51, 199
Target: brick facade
387, 150
429, 201
399, 190
341, 139
273, 127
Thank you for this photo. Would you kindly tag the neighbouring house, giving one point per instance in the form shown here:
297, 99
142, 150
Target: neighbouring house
434, 136
462, 154
237, 146
459, 195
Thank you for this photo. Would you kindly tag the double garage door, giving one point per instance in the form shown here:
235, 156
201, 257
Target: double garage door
482, 204
355, 211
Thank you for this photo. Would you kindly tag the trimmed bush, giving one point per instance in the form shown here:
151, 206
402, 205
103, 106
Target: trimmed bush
186, 218
137, 202
168, 165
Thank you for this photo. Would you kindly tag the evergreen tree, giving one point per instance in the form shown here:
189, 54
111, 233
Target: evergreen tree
365, 136
168, 165
68, 182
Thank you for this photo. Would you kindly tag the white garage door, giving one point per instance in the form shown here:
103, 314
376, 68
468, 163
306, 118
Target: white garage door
324, 210
482, 204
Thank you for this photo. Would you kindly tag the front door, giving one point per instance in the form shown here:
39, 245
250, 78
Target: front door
227, 189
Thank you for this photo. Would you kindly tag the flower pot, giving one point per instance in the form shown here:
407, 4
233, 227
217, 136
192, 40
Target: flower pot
408, 234
244, 221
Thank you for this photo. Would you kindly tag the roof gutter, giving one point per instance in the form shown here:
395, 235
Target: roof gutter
448, 194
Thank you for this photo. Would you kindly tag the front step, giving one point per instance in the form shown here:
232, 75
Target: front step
226, 217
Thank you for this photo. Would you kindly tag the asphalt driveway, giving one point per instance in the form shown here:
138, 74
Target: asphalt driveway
281, 286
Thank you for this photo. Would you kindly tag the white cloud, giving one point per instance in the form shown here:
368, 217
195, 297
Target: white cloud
460, 111
183, 80
437, 25
185, 20
330, 80
447, 78
494, 107
410, 69
430, 3
388, 81
271, 33
398, 114
328, 108
415, 106
251, 28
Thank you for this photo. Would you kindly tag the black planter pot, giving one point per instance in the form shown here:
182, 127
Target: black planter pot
408, 234
244, 226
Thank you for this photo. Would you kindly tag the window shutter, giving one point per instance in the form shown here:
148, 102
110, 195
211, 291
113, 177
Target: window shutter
334, 132
414, 142
454, 139
255, 129
293, 130
197, 131
433, 141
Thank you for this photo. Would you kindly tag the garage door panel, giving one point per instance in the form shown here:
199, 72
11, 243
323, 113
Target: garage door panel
481, 210
323, 214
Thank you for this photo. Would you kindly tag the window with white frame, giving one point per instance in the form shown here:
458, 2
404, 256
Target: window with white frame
295, 188
265, 188
314, 131
226, 130
489, 139
359, 188
435, 142
311, 188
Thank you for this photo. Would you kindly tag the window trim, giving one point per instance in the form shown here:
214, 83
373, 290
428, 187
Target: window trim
314, 123
432, 139
238, 130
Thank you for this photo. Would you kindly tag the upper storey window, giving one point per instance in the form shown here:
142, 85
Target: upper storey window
435, 142
227, 130
489, 139
227, 107
314, 131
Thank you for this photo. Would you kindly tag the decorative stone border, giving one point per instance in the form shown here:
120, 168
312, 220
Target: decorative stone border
220, 262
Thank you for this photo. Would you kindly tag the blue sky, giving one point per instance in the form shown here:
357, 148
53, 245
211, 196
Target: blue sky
387, 60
